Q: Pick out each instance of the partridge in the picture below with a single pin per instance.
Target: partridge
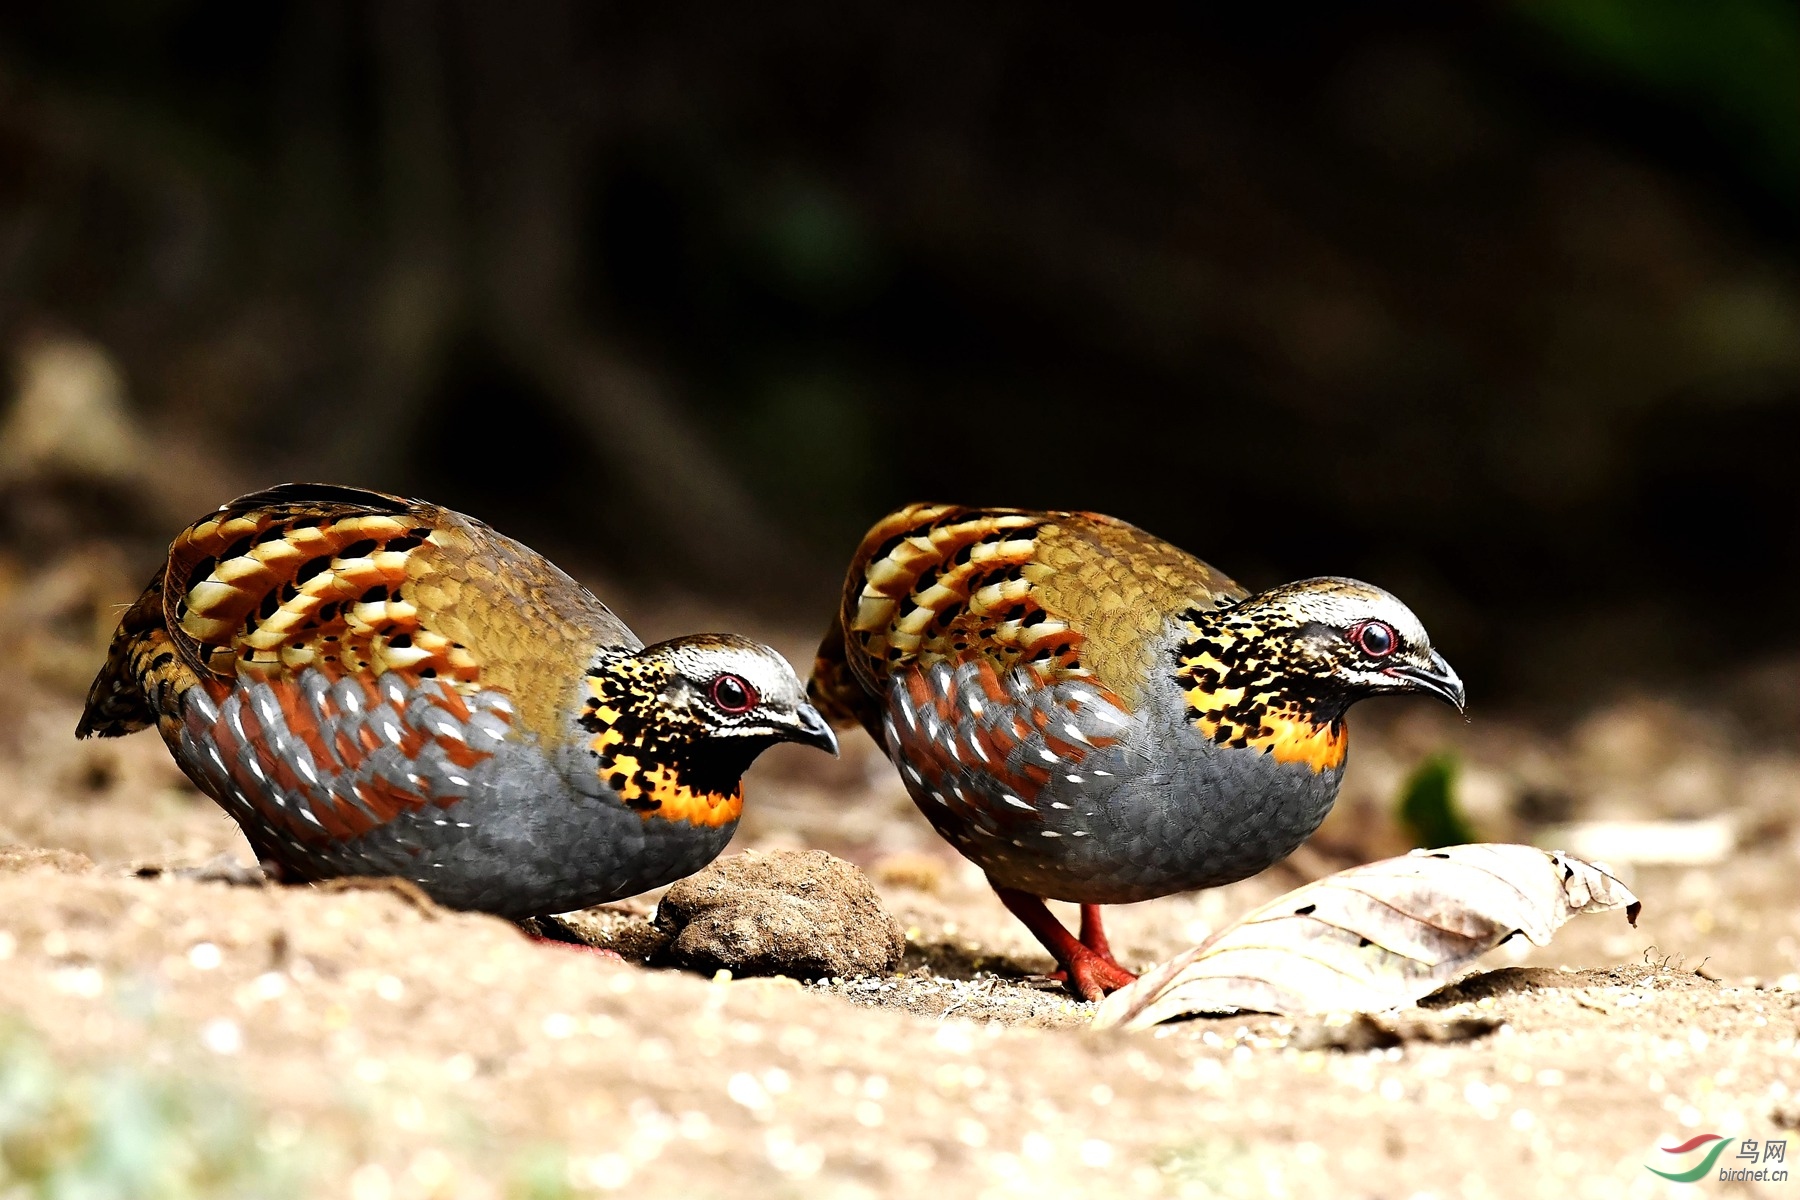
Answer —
(375, 686)
(1090, 714)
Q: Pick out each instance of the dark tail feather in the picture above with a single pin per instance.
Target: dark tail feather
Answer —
(835, 691)
(117, 703)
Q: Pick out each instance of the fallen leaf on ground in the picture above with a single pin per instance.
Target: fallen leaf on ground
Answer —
(1374, 937)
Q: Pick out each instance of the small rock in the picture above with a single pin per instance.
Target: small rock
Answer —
(790, 912)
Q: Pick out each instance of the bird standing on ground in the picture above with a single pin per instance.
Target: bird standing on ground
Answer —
(1091, 714)
(374, 686)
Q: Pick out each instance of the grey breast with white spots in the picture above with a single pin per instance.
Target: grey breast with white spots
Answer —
(312, 766)
(412, 777)
(1055, 788)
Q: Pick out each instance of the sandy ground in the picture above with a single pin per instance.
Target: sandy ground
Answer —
(354, 1044)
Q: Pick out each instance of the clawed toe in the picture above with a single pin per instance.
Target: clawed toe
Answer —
(1091, 977)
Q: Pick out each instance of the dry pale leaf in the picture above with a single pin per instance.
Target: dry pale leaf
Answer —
(1374, 937)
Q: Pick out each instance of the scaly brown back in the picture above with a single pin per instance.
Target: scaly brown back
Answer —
(1068, 594)
(357, 583)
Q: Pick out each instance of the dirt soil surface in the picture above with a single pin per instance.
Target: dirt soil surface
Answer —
(354, 1042)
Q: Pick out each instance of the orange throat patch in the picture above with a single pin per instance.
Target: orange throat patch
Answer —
(657, 790)
(1283, 732)
(1244, 707)
(625, 747)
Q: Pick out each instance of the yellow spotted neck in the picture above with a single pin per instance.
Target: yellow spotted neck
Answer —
(644, 752)
(1238, 695)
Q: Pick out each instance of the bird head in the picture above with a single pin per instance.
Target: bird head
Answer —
(718, 686)
(1329, 642)
(674, 726)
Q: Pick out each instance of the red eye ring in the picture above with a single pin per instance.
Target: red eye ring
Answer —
(1376, 639)
(732, 695)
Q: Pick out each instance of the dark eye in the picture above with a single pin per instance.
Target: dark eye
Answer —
(1376, 639)
(732, 694)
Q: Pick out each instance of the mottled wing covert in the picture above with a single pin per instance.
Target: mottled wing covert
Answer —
(1063, 595)
(332, 657)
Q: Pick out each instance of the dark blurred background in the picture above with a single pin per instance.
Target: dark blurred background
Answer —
(1495, 305)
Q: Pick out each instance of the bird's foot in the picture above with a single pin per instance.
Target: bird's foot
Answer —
(603, 953)
(1090, 976)
(1088, 967)
(1093, 936)
(548, 931)
(1113, 965)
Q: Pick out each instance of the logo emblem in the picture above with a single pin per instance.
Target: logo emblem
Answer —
(1756, 1157)
(1716, 1145)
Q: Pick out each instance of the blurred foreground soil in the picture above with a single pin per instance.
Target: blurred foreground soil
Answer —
(304, 1042)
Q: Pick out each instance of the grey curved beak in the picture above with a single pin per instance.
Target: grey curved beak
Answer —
(811, 729)
(1436, 678)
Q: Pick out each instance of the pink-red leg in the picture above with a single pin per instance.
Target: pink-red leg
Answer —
(603, 953)
(1088, 974)
(1093, 936)
(551, 932)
